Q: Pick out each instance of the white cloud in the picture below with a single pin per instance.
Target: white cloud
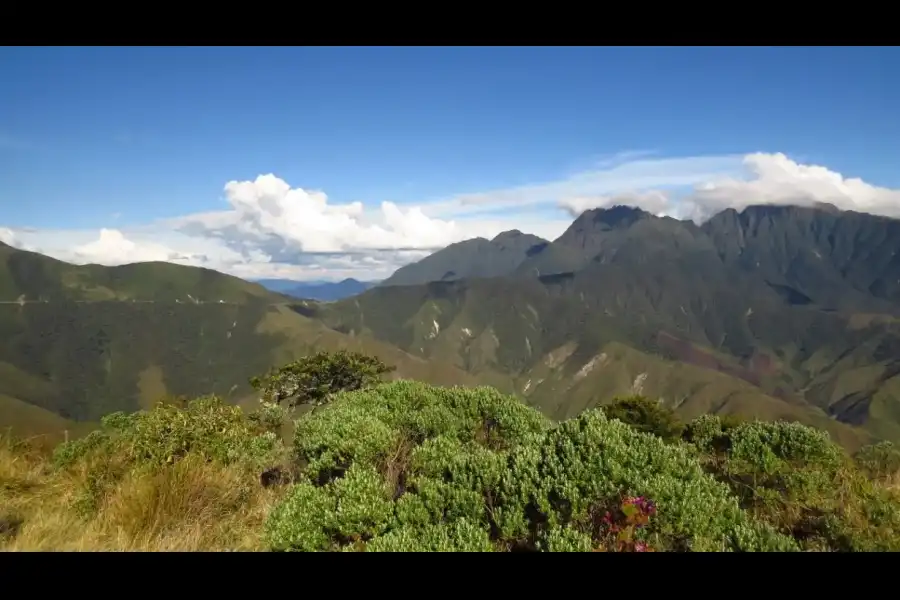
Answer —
(8, 237)
(766, 179)
(270, 229)
(113, 248)
(653, 201)
(616, 177)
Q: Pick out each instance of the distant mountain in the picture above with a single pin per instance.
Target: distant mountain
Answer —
(283, 285)
(318, 290)
(837, 260)
(79, 342)
(29, 276)
(616, 234)
(476, 257)
(772, 311)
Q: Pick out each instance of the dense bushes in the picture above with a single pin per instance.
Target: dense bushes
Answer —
(795, 478)
(879, 461)
(410, 466)
(405, 466)
(470, 469)
(205, 426)
(205, 429)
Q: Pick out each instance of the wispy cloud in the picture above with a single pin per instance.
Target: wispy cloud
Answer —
(619, 176)
(270, 229)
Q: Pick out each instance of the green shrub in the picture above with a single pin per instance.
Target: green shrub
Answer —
(768, 446)
(409, 467)
(269, 416)
(706, 433)
(567, 539)
(352, 508)
(799, 481)
(881, 460)
(460, 536)
(593, 460)
(163, 435)
(369, 425)
(405, 466)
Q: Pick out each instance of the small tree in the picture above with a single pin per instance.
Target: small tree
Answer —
(315, 378)
(646, 415)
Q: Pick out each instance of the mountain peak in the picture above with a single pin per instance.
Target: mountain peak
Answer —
(619, 216)
(827, 207)
(508, 235)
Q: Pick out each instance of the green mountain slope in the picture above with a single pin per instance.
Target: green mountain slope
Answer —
(477, 257)
(665, 292)
(79, 342)
(838, 260)
(29, 276)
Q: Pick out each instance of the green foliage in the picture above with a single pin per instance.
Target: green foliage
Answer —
(799, 481)
(769, 446)
(373, 425)
(567, 539)
(461, 535)
(881, 460)
(356, 506)
(269, 416)
(646, 415)
(406, 466)
(313, 379)
(591, 460)
(206, 426)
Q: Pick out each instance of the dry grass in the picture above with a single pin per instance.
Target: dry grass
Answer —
(190, 505)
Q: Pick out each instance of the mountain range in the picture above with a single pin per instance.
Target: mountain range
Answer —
(773, 311)
(317, 290)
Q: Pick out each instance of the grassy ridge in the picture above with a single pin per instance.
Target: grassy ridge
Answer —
(80, 342)
(32, 277)
(80, 361)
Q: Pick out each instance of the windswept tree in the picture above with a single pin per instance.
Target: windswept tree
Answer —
(646, 415)
(315, 378)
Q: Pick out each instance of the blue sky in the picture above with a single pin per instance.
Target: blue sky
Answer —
(141, 142)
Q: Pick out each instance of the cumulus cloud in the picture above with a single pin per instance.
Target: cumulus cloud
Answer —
(113, 248)
(766, 179)
(269, 207)
(271, 229)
